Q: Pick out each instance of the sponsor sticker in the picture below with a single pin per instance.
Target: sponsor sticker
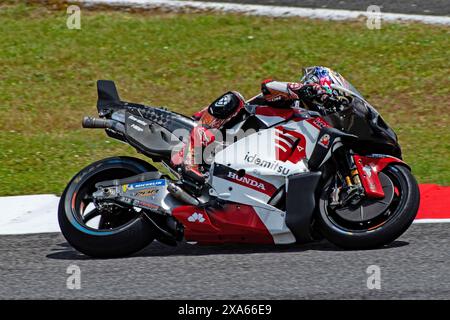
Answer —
(144, 184)
(273, 165)
(147, 205)
(196, 217)
(223, 101)
(325, 141)
(136, 127)
(247, 181)
(147, 192)
(319, 123)
(138, 120)
(367, 170)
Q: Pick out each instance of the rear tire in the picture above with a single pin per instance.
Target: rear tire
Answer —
(119, 241)
(397, 221)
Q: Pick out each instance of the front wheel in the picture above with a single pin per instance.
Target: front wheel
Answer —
(373, 222)
(115, 232)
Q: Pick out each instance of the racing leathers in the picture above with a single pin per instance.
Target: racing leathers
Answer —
(223, 110)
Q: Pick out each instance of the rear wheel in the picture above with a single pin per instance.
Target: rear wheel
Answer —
(372, 222)
(117, 231)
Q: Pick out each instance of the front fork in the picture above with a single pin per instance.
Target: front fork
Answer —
(352, 189)
(360, 176)
(352, 178)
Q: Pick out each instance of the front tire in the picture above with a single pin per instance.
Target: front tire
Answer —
(123, 234)
(388, 225)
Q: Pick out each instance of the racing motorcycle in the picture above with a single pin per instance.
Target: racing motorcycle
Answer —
(298, 176)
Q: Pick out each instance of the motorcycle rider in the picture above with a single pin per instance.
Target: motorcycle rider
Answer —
(313, 90)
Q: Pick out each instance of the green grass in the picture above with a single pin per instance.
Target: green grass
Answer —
(48, 74)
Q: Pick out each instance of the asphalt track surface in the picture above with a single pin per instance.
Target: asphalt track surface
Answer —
(423, 7)
(416, 266)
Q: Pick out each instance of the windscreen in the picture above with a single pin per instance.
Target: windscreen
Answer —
(330, 79)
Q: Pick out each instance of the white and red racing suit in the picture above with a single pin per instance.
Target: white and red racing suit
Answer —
(273, 93)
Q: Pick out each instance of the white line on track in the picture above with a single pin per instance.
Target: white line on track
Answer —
(38, 214)
(270, 11)
(29, 214)
(432, 221)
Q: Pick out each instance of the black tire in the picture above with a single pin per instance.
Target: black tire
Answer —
(119, 241)
(397, 222)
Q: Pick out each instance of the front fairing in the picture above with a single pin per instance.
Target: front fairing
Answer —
(363, 120)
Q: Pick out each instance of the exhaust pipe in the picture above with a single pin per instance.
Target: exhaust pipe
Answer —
(96, 123)
(182, 195)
